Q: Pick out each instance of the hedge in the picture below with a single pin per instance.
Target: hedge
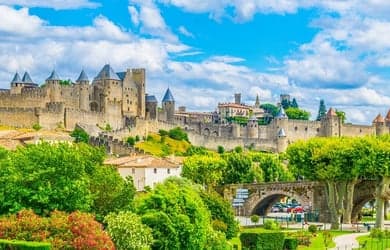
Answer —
(290, 244)
(23, 245)
(262, 241)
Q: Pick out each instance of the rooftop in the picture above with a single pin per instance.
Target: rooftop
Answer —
(107, 73)
(168, 97)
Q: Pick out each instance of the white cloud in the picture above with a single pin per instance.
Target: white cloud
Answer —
(134, 15)
(185, 32)
(18, 22)
(55, 4)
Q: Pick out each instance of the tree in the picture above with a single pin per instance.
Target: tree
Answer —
(176, 214)
(294, 103)
(178, 134)
(131, 141)
(111, 193)
(286, 104)
(46, 177)
(80, 135)
(270, 108)
(220, 149)
(321, 110)
(221, 210)
(239, 169)
(206, 170)
(341, 115)
(271, 167)
(128, 232)
(297, 114)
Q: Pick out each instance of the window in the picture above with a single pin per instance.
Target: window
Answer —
(155, 170)
(168, 170)
(133, 171)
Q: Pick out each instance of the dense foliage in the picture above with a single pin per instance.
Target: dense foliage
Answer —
(128, 232)
(340, 163)
(80, 135)
(64, 231)
(177, 215)
(63, 176)
(270, 108)
(262, 241)
(297, 114)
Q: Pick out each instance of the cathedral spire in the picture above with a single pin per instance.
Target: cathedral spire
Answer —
(257, 103)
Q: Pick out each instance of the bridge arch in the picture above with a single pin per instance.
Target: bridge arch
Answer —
(262, 205)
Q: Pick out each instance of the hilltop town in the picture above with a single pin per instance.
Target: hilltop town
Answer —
(115, 101)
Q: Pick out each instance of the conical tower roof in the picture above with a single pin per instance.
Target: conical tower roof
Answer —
(281, 133)
(16, 78)
(282, 113)
(168, 97)
(151, 99)
(53, 76)
(26, 78)
(257, 102)
(378, 119)
(82, 77)
(107, 73)
(388, 116)
(331, 113)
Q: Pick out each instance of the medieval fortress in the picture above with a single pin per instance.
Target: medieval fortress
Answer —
(118, 100)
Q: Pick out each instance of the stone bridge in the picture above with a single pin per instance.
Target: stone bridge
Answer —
(263, 196)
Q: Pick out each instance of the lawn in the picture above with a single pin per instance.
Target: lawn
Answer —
(373, 243)
(317, 242)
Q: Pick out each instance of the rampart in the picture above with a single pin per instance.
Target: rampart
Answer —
(19, 117)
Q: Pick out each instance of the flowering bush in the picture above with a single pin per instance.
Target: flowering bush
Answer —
(64, 231)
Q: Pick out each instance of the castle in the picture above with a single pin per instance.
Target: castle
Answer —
(117, 100)
(109, 100)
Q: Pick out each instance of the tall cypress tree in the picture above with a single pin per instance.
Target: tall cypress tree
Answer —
(321, 110)
(294, 103)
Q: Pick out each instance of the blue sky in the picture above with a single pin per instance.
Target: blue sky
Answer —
(205, 51)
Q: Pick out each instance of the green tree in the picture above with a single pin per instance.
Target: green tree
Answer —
(297, 114)
(176, 214)
(271, 167)
(270, 108)
(206, 170)
(294, 103)
(131, 141)
(220, 149)
(128, 232)
(286, 104)
(80, 135)
(341, 115)
(239, 169)
(178, 134)
(46, 177)
(111, 193)
(321, 110)
(221, 210)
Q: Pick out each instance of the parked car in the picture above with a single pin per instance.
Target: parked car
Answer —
(297, 209)
(275, 209)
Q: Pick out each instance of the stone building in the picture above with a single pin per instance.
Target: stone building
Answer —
(106, 100)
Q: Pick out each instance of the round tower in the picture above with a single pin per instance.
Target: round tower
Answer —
(151, 107)
(53, 83)
(253, 128)
(83, 83)
(379, 123)
(281, 141)
(168, 106)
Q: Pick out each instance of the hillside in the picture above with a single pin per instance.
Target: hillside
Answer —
(163, 145)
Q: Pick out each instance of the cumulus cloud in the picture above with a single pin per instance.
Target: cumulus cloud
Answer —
(55, 4)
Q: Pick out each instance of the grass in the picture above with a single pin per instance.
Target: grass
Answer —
(317, 242)
(163, 146)
(373, 243)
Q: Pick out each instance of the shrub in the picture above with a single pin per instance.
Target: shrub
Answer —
(163, 132)
(262, 241)
(24, 245)
(221, 149)
(219, 225)
(178, 134)
(290, 244)
(216, 241)
(131, 141)
(312, 229)
(128, 232)
(108, 127)
(64, 231)
(80, 135)
(271, 225)
(238, 149)
(137, 138)
(36, 126)
(255, 218)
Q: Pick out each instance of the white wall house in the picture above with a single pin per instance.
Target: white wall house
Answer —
(146, 170)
